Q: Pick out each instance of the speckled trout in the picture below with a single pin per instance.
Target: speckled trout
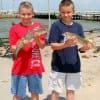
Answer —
(28, 36)
(82, 40)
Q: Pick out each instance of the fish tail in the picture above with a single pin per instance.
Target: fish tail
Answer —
(97, 49)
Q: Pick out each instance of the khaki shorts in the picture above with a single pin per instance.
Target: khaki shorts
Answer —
(59, 81)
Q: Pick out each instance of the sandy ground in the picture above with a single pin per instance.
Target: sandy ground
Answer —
(90, 74)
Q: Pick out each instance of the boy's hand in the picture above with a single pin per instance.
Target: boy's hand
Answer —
(71, 41)
(86, 46)
(38, 40)
(13, 48)
(36, 36)
(26, 42)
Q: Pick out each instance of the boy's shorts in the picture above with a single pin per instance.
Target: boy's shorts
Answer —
(59, 81)
(19, 84)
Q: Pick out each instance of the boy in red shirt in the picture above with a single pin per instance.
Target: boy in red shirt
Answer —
(27, 66)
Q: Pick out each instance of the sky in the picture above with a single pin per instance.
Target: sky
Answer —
(42, 5)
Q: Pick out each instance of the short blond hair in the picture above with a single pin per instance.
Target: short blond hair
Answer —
(66, 3)
(26, 4)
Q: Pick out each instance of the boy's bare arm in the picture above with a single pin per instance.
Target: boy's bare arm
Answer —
(68, 43)
(13, 48)
(40, 42)
(25, 44)
(86, 46)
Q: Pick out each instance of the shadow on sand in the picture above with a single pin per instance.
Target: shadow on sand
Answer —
(26, 98)
(47, 98)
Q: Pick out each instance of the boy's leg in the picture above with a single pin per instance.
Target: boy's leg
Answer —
(73, 82)
(18, 86)
(34, 96)
(35, 85)
(70, 94)
(16, 97)
(56, 84)
(54, 95)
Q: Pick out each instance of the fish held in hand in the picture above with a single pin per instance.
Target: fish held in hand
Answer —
(28, 36)
(82, 40)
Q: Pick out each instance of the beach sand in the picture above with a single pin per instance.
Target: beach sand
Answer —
(90, 74)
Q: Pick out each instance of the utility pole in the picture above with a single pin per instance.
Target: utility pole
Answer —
(49, 22)
(1, 6)
(49, 13)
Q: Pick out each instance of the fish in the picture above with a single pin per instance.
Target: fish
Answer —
(29, 35)
(82, 40)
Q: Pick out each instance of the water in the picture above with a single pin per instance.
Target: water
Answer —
(5, 24)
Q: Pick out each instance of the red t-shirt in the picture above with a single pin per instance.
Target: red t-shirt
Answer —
(28, 60)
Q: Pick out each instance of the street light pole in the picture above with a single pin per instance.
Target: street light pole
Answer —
(49, 13)
(1, 6)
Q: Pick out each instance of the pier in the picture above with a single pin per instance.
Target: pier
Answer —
(88, 15)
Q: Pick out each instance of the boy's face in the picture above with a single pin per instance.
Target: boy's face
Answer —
(66, 13)
(26, 15)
